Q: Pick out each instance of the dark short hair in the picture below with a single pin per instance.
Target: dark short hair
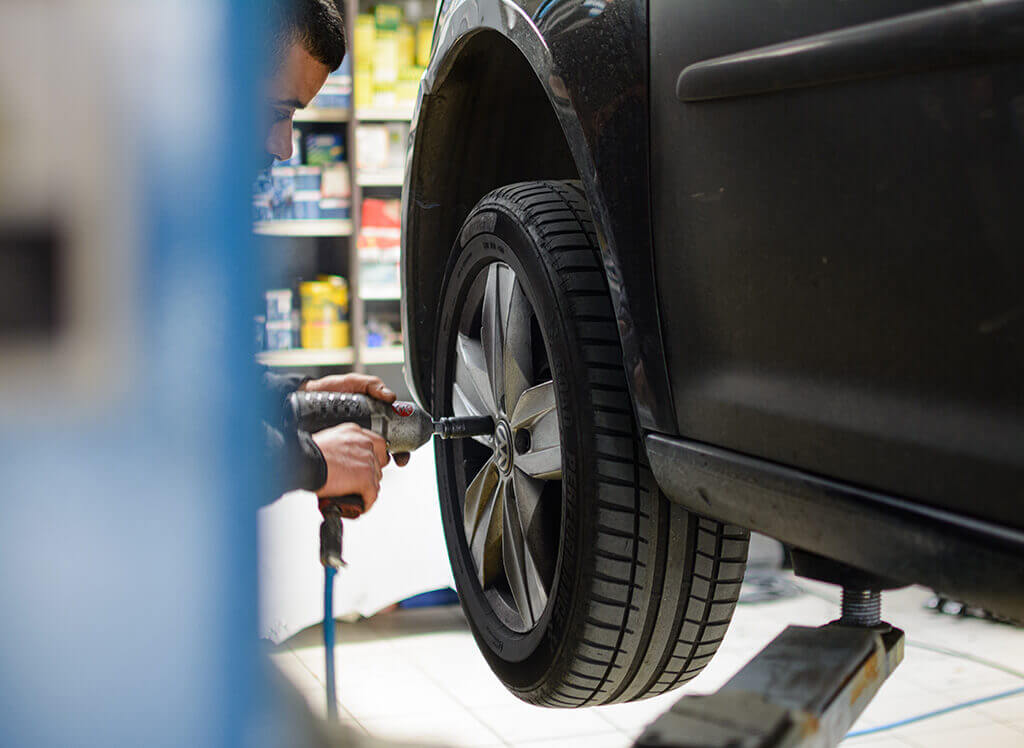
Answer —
(316, 24)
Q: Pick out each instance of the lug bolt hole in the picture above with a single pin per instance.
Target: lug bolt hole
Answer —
(522, 441)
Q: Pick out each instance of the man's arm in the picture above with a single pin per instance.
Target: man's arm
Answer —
(335, 462)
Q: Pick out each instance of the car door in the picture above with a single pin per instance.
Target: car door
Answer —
(838, 233)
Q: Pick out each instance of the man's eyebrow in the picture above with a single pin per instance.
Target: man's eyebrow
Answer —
(291, 103)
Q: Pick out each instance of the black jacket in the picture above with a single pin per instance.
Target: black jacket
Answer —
(293, 456)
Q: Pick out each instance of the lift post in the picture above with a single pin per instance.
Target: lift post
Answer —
(804, 690)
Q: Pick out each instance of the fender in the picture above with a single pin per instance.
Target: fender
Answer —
(590, 57)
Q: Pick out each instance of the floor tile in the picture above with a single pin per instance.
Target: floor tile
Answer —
(989, 736)
(606, 740)
(418, 676)
(392, 690)
(296, 671)
(637, 715)
(451, 728)
(519, 723)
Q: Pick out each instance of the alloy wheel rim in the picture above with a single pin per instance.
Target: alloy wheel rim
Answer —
(501, 370)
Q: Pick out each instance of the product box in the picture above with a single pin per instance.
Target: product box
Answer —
(282, 195)
(381, 147)
(280, 302)
(262, 189)
(280, 336)
(406, 36)
(387, 17)
(335, 183)
(424, 42)
(386, 61)
(324, 149)
(308, 178)
(379, 243)
(364, 89)
(333, 209)
(364, 38)
(335, 94)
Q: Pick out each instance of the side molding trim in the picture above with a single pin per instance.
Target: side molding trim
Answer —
(969, 33)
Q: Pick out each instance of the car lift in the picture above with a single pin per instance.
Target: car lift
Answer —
(804, 690)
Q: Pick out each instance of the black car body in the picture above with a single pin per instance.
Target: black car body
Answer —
(811, 219)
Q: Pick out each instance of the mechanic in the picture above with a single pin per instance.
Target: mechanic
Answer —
(308, 43)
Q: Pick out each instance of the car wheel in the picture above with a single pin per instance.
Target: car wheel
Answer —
(581, 583)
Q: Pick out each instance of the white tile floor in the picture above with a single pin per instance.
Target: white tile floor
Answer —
(417, 676)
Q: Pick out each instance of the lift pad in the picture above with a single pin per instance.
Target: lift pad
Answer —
(804, 690)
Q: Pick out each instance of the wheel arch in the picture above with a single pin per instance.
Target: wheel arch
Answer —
(531, 88)
(516, 137)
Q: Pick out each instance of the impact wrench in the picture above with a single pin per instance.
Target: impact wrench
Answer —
(405, 427)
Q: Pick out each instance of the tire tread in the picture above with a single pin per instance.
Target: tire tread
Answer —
(638, 636)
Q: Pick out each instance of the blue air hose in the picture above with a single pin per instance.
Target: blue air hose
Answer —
(332, 694)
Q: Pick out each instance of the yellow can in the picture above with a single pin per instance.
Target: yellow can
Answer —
(339, 293)
(330, 335)
(317, 304)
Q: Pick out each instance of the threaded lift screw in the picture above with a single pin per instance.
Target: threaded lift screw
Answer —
(861, 607)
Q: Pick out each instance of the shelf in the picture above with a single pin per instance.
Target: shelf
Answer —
(385, 178)
(392, 354)
(398, 114)
(341, 227)
(380, 293)
(322, 115)
(307, 357)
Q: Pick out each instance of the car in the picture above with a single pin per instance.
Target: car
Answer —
(715, 268)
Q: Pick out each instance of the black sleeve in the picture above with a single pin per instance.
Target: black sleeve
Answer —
(295, 461)
(282, 385)
(277, 388)
(292, 456)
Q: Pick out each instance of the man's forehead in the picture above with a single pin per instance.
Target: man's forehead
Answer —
(299, 78)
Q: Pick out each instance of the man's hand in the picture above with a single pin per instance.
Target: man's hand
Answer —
(361, 384)
(355, 458)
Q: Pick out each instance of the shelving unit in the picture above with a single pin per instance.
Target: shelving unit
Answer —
(338, 238)
(304, 228)
(305, 357)
(398, 114)
(322, 115)
(385, 178)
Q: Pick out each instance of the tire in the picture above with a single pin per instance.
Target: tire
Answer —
(621, 594)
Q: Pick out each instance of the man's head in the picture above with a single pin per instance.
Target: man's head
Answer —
(308, 44)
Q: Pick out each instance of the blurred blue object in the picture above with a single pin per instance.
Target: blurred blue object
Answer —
(127, 522)
(445, 596)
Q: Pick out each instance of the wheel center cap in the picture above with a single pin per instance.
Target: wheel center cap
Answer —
(503, 447)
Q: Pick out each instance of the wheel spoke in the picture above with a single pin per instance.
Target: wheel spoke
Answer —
(536, 412)
(518, 348)
(482, 519)
(472, 383)
(497, 295)
(520, 565)
(528, 497)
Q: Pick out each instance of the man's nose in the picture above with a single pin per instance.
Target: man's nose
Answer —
(279, 142)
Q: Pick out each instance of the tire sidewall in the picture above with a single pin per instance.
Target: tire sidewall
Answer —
(522, 660)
